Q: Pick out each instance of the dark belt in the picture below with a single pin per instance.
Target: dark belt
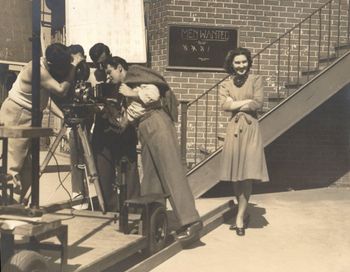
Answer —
(242, 114)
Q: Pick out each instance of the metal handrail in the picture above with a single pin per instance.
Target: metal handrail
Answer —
(262, 50)
(293, 28)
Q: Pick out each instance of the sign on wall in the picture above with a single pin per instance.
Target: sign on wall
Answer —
(15, 31)
(116, 23)
(199, 48)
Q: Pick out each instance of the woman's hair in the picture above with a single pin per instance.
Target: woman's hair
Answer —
(228, 66)
(115, 61)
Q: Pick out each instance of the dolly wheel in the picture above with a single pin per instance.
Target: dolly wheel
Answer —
(158, 229)
(25, 261)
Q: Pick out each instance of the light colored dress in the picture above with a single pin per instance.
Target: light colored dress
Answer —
(243, 155)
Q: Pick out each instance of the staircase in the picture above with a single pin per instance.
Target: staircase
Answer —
(312, 64)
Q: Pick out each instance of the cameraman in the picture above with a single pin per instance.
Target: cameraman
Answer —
(111, 146)
(57, 70)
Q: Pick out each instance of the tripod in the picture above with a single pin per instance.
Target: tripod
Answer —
(79, 133)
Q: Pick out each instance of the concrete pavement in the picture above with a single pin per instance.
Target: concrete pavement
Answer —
(304, 231)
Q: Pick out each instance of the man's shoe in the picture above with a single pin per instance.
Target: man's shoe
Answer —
(191, 233)
(83, 205)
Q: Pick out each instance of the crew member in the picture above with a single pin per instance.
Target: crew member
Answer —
(161, 163)
(57, 70)
(111, 145)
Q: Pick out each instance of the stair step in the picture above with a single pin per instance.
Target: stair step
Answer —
(289, 92)
(312, 72)
(326, 59)
(274, 97)
(308, 75)
(273, 104)
(263, 111)
(342, 49)
(342, 46)
(293, 85)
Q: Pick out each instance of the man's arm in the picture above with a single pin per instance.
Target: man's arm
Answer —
(55, 109)
(147, 94)
(49, 83)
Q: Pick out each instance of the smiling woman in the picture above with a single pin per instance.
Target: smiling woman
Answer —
(243, 159)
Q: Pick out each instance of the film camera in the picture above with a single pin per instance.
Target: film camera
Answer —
(83, 99)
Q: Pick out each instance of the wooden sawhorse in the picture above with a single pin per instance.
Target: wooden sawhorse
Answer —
(36, 231)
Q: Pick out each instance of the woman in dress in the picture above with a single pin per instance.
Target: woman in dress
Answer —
(243, 159)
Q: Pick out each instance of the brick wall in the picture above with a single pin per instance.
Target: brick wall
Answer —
(259, 23)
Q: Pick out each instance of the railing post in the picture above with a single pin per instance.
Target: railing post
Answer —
(183, 140)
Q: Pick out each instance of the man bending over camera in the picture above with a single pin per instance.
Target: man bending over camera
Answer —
(162, 167)
(57, 71)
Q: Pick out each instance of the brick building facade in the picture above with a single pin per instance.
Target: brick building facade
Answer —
(295, 156)
(259, 22)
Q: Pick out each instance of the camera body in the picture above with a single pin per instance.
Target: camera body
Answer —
(83, 100)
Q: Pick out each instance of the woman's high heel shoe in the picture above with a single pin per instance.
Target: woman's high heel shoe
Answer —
(190, 233)
(246, 221)
(240, 231)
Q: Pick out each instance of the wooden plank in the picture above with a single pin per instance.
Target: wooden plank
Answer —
(86, 213)
(19, 225)
(24, 132)
(33, 229)
(158, 258)
(57, 168)
(94, 242)
(211, 220)
(115, 256)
